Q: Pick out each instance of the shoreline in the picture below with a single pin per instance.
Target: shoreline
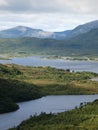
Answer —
(82, 104)
(68, 58)
(43, 97)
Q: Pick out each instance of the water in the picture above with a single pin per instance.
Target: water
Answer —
(46, 104)
(91, 66)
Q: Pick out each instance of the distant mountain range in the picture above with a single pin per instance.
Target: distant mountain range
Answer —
(82, 45)
(83, 40)
(22, 31)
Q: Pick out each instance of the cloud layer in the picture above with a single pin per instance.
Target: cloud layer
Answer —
(47, 14)
(54, 6)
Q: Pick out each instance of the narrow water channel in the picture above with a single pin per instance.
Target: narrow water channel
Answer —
(54, 104)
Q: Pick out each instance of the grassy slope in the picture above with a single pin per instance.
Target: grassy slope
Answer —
(13, 90)
(84, 44)
(18, 83)
(83, 118)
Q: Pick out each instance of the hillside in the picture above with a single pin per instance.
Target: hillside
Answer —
(20, 83)
(13, 90)
(83, 44)
(82, 29)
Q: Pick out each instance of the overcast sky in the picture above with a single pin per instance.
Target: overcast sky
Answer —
(50, 15)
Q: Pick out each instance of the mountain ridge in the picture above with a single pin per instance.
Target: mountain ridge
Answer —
(23, 31)
(83, 44)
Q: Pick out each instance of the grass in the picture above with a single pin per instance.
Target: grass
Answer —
(21, 83)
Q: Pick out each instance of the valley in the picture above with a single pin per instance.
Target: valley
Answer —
(81, 43)
(59, 63)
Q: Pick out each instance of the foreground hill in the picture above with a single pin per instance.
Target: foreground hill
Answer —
(19, 83)
(83, 44)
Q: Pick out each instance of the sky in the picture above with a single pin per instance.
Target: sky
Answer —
(49, 15)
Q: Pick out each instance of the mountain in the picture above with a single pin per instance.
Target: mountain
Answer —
(81, 29)
(83, 44)
(22, 31)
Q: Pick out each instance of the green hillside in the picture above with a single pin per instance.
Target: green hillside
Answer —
(20, 83)
(13, 90)
(84, 44)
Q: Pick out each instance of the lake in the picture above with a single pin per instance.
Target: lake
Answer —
(91, 66)
(46, 104)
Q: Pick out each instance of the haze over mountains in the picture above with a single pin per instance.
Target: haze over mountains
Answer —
(83, 40)
(22, 31)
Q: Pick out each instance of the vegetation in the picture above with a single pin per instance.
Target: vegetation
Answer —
(13, 90)
(21, 83)
(83, 44)
(83, 118)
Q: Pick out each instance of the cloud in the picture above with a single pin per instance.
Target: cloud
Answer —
(49, 22)
(50, 6)
(3, 2)
(51, 15)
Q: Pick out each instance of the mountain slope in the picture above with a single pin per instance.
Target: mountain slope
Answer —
(22, 31)
(86, 44)
(83, 44)
(81, 29)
